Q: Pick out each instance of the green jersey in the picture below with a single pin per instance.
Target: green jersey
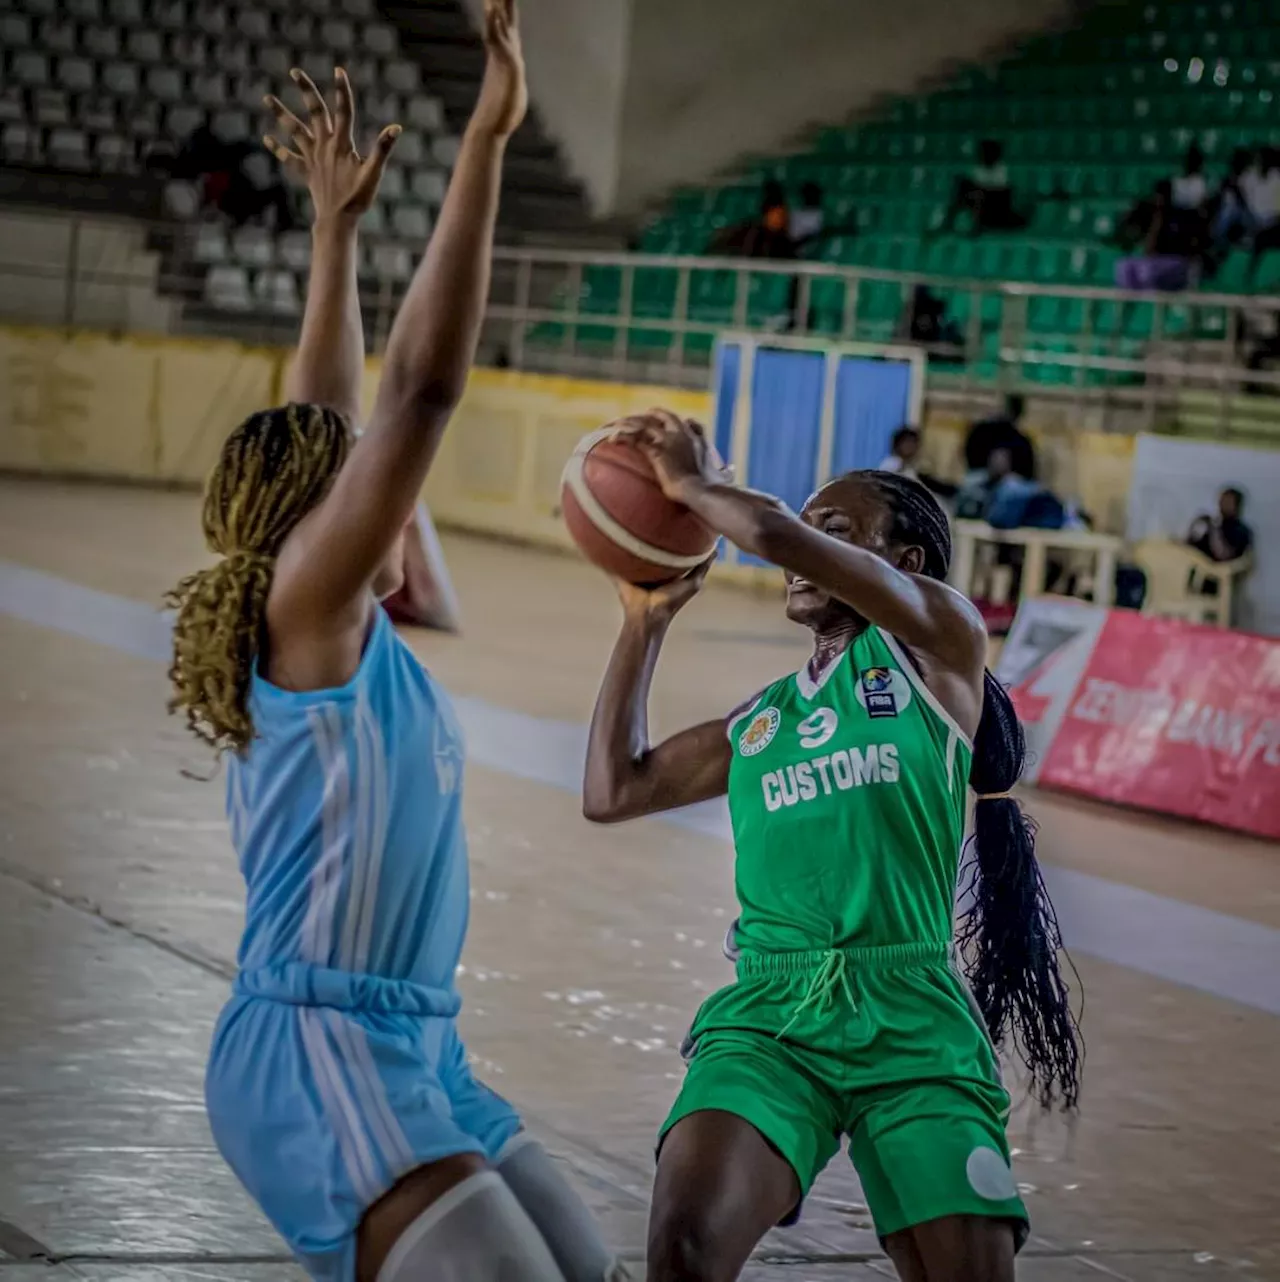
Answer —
(847, 795)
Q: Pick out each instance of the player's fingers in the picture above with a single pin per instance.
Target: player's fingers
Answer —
(292, 127)
(344, 108)
(321, 121)
(289, 159)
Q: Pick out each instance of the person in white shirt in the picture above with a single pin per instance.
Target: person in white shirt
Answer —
(1191, 188)
(1261, 189)
(985, 194)
(905, 449)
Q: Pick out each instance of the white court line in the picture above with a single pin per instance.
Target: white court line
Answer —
(1185, 944)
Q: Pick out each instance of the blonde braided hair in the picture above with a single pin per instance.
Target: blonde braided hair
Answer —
(275, 467)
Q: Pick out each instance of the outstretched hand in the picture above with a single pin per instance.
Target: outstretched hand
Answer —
(342, 183)
(665, 601)
(504, 92)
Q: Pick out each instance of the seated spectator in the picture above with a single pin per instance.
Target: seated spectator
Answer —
(768, 235)
(925, 321)
(984, 193)
(1224, 537)
(1001, 431)
(807, 221)
(1007, 501)
(903, 452)
(1231, 219)
(1261, 187)
(1190, 189)
(1173, 246)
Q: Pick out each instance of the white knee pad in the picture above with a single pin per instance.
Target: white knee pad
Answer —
(564, 1221)
(477, 1232)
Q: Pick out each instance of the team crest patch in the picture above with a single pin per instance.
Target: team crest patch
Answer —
(759, 732)
(883, 691)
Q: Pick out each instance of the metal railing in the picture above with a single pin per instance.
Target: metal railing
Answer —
(1135, 361)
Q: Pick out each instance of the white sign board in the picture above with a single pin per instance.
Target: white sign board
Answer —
(1174, 481)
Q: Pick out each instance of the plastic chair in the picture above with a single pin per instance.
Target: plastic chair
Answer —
(227, 288)
(1177, 578)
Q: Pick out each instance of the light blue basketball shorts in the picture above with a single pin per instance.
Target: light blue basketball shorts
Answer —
(319, 1107)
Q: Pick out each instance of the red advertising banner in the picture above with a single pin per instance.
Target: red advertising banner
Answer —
(1177, 718)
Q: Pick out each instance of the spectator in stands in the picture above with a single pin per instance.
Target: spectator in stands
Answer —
(1261, 187)
(1224, 537)
(903, 452)
(925, 321)
(1001, 431)
(1229, 217)
(807, 220)
(1190, 189)
(768, 235)
(1172, 249)
(984, 194)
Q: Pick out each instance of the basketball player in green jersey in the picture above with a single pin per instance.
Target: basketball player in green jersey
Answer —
(847, 785)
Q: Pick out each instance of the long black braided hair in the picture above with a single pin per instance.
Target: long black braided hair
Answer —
(1008, 937)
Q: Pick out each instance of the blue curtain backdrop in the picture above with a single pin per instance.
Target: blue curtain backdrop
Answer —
(873, 400)
(728, 371)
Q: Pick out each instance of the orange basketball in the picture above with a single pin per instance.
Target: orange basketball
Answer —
(618, 515)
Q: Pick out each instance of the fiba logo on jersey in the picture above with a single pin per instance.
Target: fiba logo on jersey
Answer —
(759, 732)
(884, 692)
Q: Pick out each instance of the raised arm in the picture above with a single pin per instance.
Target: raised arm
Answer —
(328, 367)
(326, 569)
(625, 776)
(924, 613)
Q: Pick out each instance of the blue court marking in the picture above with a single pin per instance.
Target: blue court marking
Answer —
(1226, 956)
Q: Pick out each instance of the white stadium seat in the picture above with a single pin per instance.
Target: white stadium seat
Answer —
(411, 222)
(429, 186)
(181, 199)
(227, 288)
(172, 15)
(374, 223)
(116, 154)
(15, 31)
(391, 262)
(337, 34)
(379, 109)
(445, 150)
(230, 125)
(51, 107)
(121, 79)
(209, 89)
(98, 114)
(125, 13)
(182, 120)
(69, 148)
(425, 114)
(189, 49)
(298, 30)
(364, 73)
(358, 8)
(275, 61)
(403, 76)
(19, 142)
(165, 83)
(12, 105)
(277, 291)
(84, 10)
(254, 24)
(294, 248)
(76, 75)
(30, 69)
(210, 247)
(102, 43)
(233, 55)
(211, 19)
(318, 65)
(253, 247)
(57, 37)
(144, 46)
(410, 150)
(249, 90)
(394, 185)
(41, 8)
(380, 39)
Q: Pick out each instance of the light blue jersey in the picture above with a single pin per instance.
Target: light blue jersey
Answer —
(336, 1067)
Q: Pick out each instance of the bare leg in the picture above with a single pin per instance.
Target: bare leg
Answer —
(387, 1219)
(720, 1188)
(955, 1248)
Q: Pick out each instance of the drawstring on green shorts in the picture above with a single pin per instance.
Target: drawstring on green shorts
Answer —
(829, 979)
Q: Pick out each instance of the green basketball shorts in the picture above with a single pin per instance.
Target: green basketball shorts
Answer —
(884, 1045)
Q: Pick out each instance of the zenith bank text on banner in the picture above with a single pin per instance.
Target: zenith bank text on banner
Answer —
(1157, 713)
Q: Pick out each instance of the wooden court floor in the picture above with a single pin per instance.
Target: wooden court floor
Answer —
(120, 905)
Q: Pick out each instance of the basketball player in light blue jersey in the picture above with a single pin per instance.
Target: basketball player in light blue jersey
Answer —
(338, 1088)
